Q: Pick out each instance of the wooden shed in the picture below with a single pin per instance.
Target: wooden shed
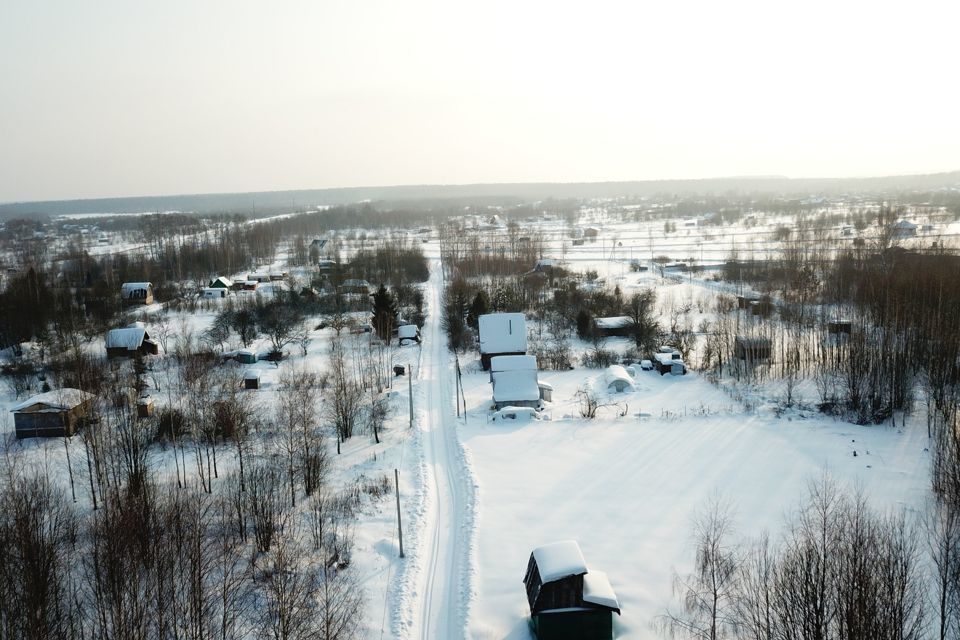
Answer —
(613, 327)
(567, 600)
(752, 349)
(251, 379)
(129, 342)
(546, 391)
(52, 414)
(501, 334)
(246, 356)
(137, 292)
(145, 407)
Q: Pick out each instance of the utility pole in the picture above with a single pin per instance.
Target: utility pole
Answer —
(463, 397)
(410, 386)
(456, 386)
(396, 484)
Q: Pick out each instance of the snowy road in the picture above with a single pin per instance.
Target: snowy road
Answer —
(443, 586)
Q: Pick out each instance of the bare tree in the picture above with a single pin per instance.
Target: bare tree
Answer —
(708, 593)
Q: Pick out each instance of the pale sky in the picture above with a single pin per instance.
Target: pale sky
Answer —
(128, 97)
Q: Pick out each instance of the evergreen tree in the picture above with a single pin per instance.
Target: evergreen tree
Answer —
(384, 313)
(480, 306)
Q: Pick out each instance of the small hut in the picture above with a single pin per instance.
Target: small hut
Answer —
(669, 360)
(145, 407)
(52, 414)
(251, 379)
(221, 283)
(129, 342)
(250, 285)
(213, 293)
(246, 356)
(546, 391)
(567, 600)
(613, 327)
(137, 292)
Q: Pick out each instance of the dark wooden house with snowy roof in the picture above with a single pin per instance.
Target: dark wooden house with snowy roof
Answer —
(567, 600)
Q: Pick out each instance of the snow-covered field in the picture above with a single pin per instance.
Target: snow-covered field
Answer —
(626, 487)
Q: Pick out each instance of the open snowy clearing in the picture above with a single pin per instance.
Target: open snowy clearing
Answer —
(626, 488)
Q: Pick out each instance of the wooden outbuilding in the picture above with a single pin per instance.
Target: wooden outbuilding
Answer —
(613, 327)
(501, 334)
(137, 292)
(514, 380)
(52, 414)
(251, 379)
(355, 285)
(546, 391)
(567, 600)
(213, 293)
(145, 407)
(129, 342)
(246, 356)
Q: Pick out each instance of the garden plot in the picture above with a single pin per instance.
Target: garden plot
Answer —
(626, 487)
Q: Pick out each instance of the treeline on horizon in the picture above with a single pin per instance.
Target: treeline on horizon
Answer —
(257, 204)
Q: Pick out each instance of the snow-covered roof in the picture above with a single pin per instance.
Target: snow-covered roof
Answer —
(407, 331)
(509, 386)
(513, 363)
(615, 372)
(544, 385)
(668, 358)
(251, 374)
(904, 224)
(559, 560)
(129, 338)
(613, 322)
(133, 286)
(224, 282)
(503, 333)
(61, 399)
(597, 590)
